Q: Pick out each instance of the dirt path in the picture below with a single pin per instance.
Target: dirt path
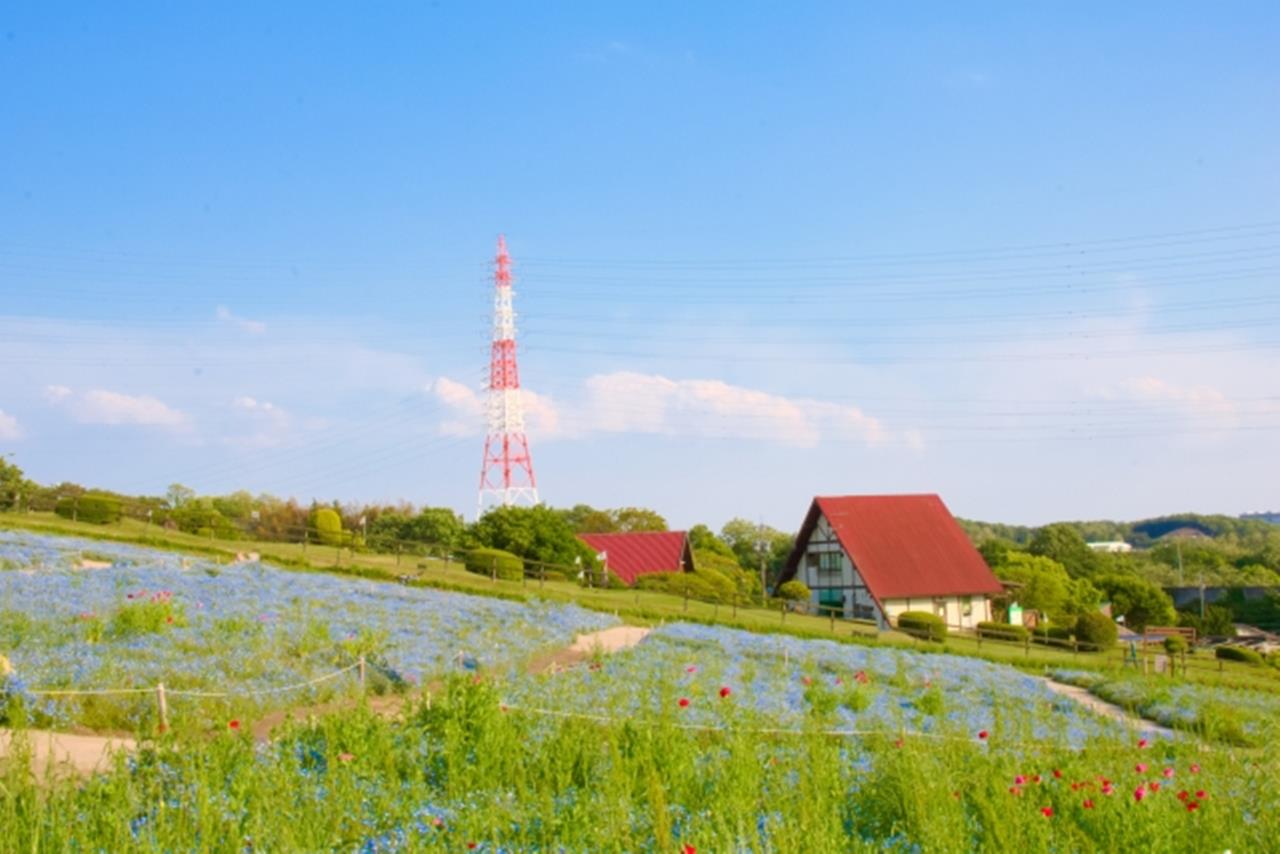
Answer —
(82, 753)
(1107, 710)
(586, 646)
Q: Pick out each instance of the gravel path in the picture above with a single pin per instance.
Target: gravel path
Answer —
(82, 753)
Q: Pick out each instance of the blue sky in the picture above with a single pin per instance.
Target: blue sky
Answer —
(1025, 258)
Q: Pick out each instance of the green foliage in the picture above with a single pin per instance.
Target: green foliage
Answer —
(92, 507)
(327, 525)
(743, 535)
(923, 624)
(1238, 653)
(1097, 630)
(1003, 631)
(1064, 544)
(534, 533)
(702, 539)
(12, 485)
(743, 581)
(1175, 644)
(503, 564)
(146, 617)
(1218, 621)
(703, 586)
(585, 519)
(1140, 602)
(794, 590)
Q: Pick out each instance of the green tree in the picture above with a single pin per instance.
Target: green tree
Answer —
(327, 525)
(585, 519)
(1140, 602)
(1063, 543)
(742, 535)
(703, 539)
(437, 526)
(177, 495)
(638, 519)
(534, 533)
(12, 485)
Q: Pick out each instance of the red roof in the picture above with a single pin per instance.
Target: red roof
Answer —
(902, 545)
(637, 553)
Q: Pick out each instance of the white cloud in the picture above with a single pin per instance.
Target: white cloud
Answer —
(100, 406)
(254, 327)
(269, 424)
(631, 402)
(9, 429)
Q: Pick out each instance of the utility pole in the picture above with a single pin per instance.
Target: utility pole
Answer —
(1178, 545)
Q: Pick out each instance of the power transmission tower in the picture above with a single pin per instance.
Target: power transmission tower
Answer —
(506, 475)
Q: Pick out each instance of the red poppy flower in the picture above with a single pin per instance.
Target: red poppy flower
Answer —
(1168, 773)
(689, 849)
(724, 692)
(1057, 775)
(897, 742)
(1139, 793)
(1036, 779)
(1183, 795)
(1192, 806)
(1153, 786)
(684, 702)
(691, 669)
(1195, 768)
(1201, 794)
(1015, 791)
(1019, 780)
(1088, 804)
(982, 734)
(1141, 768)
(346, 757)
(233, 724)
(805, 680)
(1047, 812)
(1108, 789)
(471, 846)
(1142, 742)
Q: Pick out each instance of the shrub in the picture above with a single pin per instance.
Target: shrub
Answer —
(923, 624)
(1052, 635)
(90, 507)
(328, 526)
(794, 591)
(1238, 653)
(505, 565)
(1003, 631)
(1175, 644)
(1096, 630)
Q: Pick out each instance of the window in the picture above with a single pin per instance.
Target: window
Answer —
(828, 562)
(830, 600)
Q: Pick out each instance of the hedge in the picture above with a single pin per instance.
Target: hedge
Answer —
(485, 561)
(794, 591)
(1239, 653)
(931, 626)
(1096, 631)
(1003, 631)
(1175, 644)
(90, 507)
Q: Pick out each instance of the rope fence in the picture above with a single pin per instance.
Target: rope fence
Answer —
(163, 694)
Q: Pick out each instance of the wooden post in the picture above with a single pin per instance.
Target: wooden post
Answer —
(162, 707)
(493, 568)
(306, 538)
(1026, 643)
(832, 613)
(542, 575)
(782, 607)
(362, 674)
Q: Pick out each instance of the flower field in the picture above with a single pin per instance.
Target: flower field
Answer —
(194, 624)
(779, 681)
(699, 739)
(1248, 718)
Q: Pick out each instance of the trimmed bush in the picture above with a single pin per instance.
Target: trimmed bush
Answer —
(90, 507)
(794, 591)
(923, 624)
(1096, 631)
(1239, 653)
(1003, 631)
(1175, 644)
(504, 565)
(328, 526)
(1052, 635)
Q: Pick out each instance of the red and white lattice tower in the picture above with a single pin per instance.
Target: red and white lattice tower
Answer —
(506, 477)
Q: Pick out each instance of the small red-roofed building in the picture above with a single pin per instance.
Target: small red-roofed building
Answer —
(875, 556)
(631, 554)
